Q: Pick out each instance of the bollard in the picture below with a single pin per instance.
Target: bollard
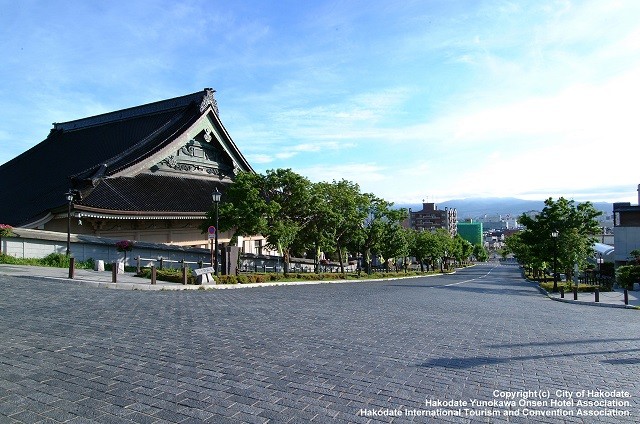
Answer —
(138, 263)
(561, 292)
(153, 274)
(184, 274)
(575, 293)
(161, 262)
(114, 272)
(597, 292)
(72, 267)
(626, 297)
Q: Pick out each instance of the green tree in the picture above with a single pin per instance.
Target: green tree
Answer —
(480, 253)
(275, 205)
(418, 245)
(243, 207)
(444, 247)
(461, 249)
(427, 247)
(393, 243)
(380, 219)
(319, 233)
(574, 226)
(344, 209)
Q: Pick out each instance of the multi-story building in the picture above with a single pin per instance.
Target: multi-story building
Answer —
(471, 232)
(430, 218)
(626, 230)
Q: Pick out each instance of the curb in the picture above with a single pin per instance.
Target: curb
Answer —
(178, 287)
(581, 302)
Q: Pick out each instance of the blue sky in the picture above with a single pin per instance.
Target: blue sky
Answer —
(413, 100)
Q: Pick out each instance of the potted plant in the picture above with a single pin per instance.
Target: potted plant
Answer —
(124, 246)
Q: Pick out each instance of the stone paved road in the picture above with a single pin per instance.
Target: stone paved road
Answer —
(322, 353)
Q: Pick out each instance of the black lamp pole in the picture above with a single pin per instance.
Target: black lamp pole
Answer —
(216, 199)
(69, 196)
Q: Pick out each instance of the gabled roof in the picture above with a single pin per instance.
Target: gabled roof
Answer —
(145, 193)
(99, 155)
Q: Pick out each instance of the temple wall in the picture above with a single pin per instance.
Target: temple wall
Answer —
(185, 233)
(29, 243)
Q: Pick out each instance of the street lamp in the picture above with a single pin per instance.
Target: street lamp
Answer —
(216, 199)
(555, 234)
(69, 195)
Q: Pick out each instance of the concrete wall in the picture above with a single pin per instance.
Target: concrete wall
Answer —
(28, 243)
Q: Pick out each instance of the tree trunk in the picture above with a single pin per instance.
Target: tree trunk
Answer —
(341, 259)
(285, 258)
(367, 260)
(316, 261)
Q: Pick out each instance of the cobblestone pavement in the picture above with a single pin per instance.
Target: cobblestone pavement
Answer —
(403, 350)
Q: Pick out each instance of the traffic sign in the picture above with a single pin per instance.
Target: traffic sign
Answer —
(212, 232)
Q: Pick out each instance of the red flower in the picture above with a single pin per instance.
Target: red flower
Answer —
(124, 246)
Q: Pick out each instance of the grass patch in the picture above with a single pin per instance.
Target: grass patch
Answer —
(568, 287)
(310, 276)
(175, 276)
(54, 260)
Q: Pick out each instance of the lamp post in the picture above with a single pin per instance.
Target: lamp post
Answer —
(216, 199)
(69, 195)
(554, 235)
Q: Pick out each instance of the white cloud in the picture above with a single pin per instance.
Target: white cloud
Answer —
(260, 159)
(365, 174)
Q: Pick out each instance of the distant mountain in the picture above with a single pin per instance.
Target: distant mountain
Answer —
(479, 207)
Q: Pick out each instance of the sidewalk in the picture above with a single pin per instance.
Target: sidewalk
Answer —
(126, 281)
(129, 281)
(612, 299)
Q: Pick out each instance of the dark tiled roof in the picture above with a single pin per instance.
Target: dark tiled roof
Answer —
(36, 181)
(152, 193)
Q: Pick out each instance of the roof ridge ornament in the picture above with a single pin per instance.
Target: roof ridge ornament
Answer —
(209, 100)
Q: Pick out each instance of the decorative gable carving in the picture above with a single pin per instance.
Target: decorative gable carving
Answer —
(209, 100)
(198, 158)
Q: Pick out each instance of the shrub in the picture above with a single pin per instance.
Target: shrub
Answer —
(170, 274)
(56, 260)
(6, 230)
(88, 264)
(627, 275)
(257, 278)
(227, 279)
(568, 287)
(8, 259)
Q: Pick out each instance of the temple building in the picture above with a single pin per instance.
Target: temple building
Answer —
(144, 173)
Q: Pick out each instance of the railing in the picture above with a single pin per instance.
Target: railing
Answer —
(162, 261)
(596, 279)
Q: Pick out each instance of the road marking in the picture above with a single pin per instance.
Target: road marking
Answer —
(467, 281)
